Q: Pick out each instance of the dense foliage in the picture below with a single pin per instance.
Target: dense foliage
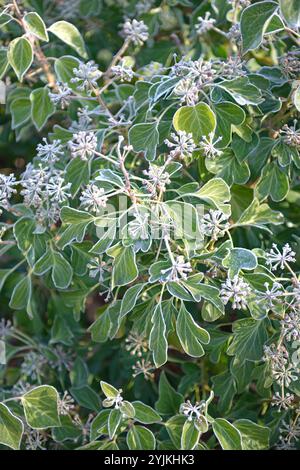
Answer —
(149, 193)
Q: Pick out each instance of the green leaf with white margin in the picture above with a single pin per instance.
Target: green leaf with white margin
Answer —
(190, 334)
(259, 214)
(124, 266)
(158, 343)
(20, 56)
(69, 34)
(249, 337)
(3, 61)
(140, 438)
(254, 22)
(174, 428)
(228, 115)
(21, 294)
(273, 182)
(239, 259)
(109, 390)
(290, 11)
(11, 428)
(64, 67)
(227, 167)
(77, 221)
(144, 138)
(36, 26)
(296, 98)
(242, 90)
(169, 400)
(216, 193)
(62, 271)
(190, 435)
(41, 107)
(145, 414)
(228, 435)
(254, 436)
(199, 120)
(41, 407)
(114, 420)
(20, 110)
(78, 174)
(130, 298)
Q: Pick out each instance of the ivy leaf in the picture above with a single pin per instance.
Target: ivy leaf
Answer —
(215, 192)
(36, 26)
(144, 138)
(273, 182)
(239, 259)
(254, 22)
(242, 90)
(254, 436)
(199, 120)
(228, 115)
(227, 167)
(140, 438)
(174, 428)
(259, 215)
(124, 266)
(78, 174)
(64, 67)
(20, 109)
(41, 407)
(249, 337)
(290, 11)
(3, 61)
(78, 222)
(20, 56)
(157, 341)
(11, 428)
(41, 107)
(21, 294)
(228, 435)
(114, 420)
(62, 271)
(190, 334)
(169, 400)
(85, 396)
(69, 34)
(225, 389)
(145, 414)
(190, 435)
(130, 298)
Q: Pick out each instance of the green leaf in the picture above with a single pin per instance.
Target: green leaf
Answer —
(158, 343)
(215, 192)
(64, 67)
(145, 414)
(140, 438)
(174, 428)
(78, 222)
(124, 266)
(108, 390)
(20, 56)
(259, 214)
(87, 397)
(20, 109)
(21, 294)
(190, 334)
(99, 425)
(225, 389)
(114, 420)
(254, 436)
(239, 259)
(228, 436)
(41, 107)
(290, 11)
(3, 61)
(254, 22)
(62, 271)
(242, 90)
(23, 230)
(169, 400)
(69, 34)
(11, 428)
(228, 167)
(36, 26)
(78, 174)
(144, 138)
(249, 338)
(190, 435)
(198, 120)
(228, 115)
(273, 182)
(40, 407)
(130, 298)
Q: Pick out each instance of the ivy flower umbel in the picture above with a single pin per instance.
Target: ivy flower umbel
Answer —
(83, 145)
(237, 291)
(86, 76)
(135, 31)
(214, 224)
(188, 92)
(291, 135)
(144, 368)
(276, 259)
(93, 198)
(62, 96)
(192, 411)
(123, 71)
(179, 269)
(7, 188)
(204, 24)
(50, 152)
(115, 401)
(208, 145)
(183, 144)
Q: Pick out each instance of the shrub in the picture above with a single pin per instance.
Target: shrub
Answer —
(150, 224)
